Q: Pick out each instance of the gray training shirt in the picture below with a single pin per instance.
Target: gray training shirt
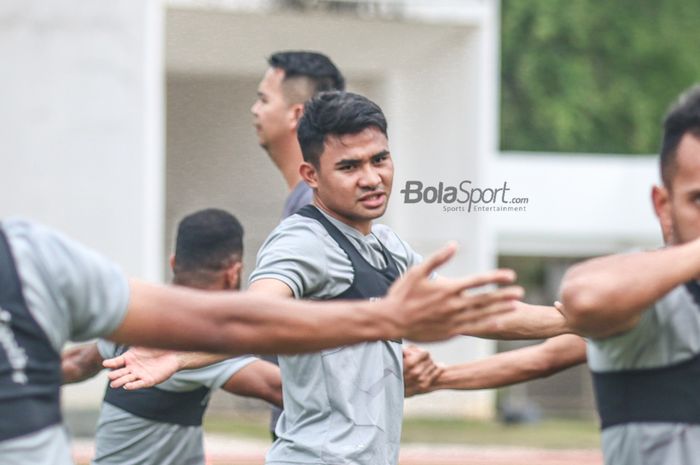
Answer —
(73, 294)
(347, 413)
(667, 333)
(123, 438)
(300, 196)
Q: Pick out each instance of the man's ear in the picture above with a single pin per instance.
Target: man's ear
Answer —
(309, 173)
(233, 275)
(296, 112)
(661, 198)
(172, 262)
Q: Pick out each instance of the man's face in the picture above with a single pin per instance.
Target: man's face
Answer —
(354, 177)
(679, 214)
(272, 114)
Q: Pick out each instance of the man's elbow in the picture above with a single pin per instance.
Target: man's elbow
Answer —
(582, 302)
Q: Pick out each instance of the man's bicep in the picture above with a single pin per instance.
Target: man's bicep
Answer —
(259, 379)
(271, 286)
(293, 256)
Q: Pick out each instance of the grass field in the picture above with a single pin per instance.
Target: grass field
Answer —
(433, 442)
(548, 434)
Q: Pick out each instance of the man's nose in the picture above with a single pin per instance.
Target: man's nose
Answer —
(370, 177)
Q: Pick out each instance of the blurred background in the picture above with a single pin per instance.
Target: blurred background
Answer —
(118, 118)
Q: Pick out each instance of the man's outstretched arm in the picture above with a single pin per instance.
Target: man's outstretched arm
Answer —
(525, 322)
(607, 295)
(415, 308)
(515, 366)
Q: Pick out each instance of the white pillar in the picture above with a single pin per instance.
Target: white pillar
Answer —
(81, 118)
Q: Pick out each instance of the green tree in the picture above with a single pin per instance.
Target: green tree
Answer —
(594, 76)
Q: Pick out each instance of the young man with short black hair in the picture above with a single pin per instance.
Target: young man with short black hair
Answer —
(344, 405)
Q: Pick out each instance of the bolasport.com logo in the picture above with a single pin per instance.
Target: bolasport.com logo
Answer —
(464, 197)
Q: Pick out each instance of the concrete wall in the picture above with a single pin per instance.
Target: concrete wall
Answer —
(82, 122)
(579, 205)
(82, 128)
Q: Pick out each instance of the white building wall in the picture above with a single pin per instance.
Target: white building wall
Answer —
(81, 121)
(579, 205)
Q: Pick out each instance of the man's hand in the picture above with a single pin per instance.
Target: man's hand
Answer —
(80, 363)
(140, 367)
(419, 371)
(430, 310)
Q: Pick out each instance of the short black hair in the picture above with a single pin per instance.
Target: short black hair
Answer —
(683, 117)
(316, 67)
(208, 240)
(335, 114)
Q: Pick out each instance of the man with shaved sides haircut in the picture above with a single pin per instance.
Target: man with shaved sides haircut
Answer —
(292, 78)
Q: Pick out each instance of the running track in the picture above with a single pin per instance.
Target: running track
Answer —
(226, 451)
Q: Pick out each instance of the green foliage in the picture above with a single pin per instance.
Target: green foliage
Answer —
(594, 76)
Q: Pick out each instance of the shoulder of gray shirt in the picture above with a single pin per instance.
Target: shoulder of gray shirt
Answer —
(71, 291)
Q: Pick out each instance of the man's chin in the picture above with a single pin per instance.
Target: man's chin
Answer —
(374, 213)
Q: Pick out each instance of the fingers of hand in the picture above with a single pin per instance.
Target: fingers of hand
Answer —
(507, 294)
(502, 276)
(118, 373)
(122, 380)
(138, 384)
(113, 363)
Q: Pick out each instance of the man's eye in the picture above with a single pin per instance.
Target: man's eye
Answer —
(379, 158)
(345, 167)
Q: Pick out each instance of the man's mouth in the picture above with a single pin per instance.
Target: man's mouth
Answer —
(373, 200)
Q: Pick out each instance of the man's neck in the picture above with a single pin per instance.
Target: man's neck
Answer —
(287, 157)
(364, 227)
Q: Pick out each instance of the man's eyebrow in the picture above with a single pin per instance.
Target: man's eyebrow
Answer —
(347, 162)
(379, 154)
(357, 161)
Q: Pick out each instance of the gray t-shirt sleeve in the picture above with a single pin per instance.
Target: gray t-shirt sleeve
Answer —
(107, 349)
(72, 292)
(295, 255)
(665, 334)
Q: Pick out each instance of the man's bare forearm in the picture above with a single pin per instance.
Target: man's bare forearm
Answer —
(244, 323)
(525, 322)
(515, 366)
(607, 295)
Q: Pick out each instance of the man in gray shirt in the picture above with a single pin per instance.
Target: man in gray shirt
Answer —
(342, 405)
(641, 312)
(641, 315)
(292, 78)
(162, 425)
